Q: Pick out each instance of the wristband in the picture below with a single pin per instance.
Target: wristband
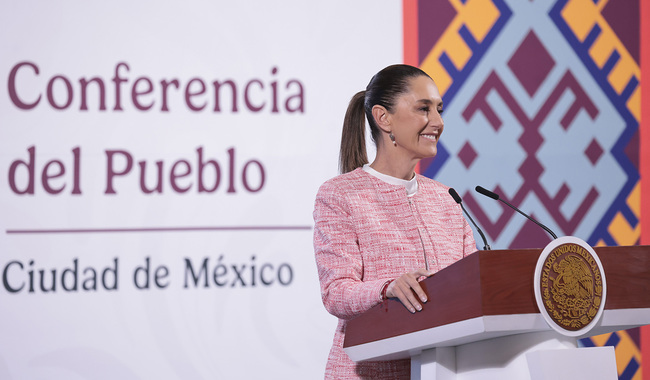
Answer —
(384, 289)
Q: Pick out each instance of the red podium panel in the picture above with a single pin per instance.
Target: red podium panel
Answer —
(490, 294)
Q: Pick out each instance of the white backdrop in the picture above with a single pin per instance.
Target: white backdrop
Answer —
(231, 290)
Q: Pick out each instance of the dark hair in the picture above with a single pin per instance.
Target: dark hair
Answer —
(384, 89)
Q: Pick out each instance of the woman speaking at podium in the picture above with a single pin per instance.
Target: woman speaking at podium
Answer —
(380, 227)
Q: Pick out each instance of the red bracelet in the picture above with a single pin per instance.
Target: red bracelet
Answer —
(384, 299)
(384, 289)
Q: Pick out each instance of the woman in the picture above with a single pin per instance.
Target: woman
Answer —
(380, 228)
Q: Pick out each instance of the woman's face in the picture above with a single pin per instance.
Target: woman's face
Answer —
(416, 120)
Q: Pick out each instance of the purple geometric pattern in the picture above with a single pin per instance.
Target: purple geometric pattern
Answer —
(434, 18)
(617, 14)
(594, 151)
(467, 154)
(526, 117)
(531, 64)
(531, 168)
(617, 22)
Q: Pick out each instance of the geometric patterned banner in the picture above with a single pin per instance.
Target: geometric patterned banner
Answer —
(542, 105)
(605, 36)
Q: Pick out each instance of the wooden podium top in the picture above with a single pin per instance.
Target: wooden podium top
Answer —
(490, 294)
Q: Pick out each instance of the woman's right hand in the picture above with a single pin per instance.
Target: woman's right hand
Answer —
(404, 288)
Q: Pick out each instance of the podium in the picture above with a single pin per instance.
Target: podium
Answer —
(482, 321)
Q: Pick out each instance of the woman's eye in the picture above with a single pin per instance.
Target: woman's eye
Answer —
(440, 111)
(425, 109)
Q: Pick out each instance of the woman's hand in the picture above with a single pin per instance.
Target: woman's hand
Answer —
(402, 286)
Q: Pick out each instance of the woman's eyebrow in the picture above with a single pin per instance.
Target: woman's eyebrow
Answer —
(429, 101)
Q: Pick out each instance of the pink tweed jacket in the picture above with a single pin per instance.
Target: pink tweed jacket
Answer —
(368, 232)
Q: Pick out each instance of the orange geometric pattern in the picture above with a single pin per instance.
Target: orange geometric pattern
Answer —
(478, 17)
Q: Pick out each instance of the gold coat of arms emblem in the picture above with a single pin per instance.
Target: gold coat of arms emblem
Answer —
(571, 286)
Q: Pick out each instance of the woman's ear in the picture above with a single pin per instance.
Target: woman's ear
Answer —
(382, 118)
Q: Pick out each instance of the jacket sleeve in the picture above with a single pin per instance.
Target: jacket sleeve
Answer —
(339, 261)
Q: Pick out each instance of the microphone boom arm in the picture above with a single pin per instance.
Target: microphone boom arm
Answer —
(494, 195)
(531, 219)
(454, 194)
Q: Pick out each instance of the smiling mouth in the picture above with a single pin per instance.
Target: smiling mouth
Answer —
(430, 137)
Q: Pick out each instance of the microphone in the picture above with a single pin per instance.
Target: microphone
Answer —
(454, 194)
(493, 195)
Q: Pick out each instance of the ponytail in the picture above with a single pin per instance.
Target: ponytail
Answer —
(353, 141)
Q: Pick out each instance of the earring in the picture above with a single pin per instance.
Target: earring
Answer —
(392, 138)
